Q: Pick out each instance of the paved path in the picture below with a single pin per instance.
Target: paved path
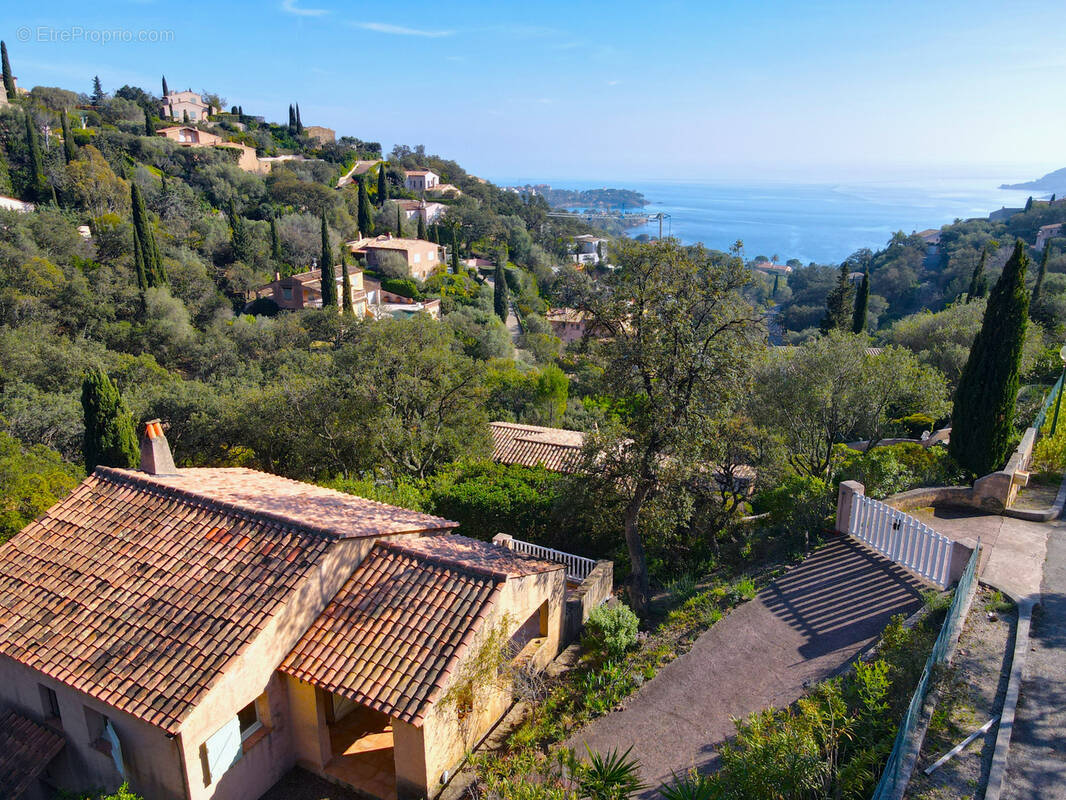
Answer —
(1036, 764)
(801, 629)
(1013, 549)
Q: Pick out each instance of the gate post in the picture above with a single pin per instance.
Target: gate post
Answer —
(845, 502)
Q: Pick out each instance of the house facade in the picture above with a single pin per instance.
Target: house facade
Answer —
(304, 290)
(421, 180)
(320, 134)
(184, 106)
(422, 258)
(430, 212)
(198, 632)
(587, 248)
(188, 136)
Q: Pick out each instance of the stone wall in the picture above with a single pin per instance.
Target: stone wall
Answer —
(590, 593)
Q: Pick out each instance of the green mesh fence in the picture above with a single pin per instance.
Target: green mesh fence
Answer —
(1047, 408)
(893, 779)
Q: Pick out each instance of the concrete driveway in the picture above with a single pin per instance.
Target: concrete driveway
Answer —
(802, 628)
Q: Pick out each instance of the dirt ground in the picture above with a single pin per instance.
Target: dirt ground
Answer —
(971, 692)
(1039, 493)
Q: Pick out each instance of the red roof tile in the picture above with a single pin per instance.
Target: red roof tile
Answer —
(25, 750)
(556, 449)
(397, 629)
(139, 589)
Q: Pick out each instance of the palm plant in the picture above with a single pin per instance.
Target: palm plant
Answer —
(609, 776)
(692, 786)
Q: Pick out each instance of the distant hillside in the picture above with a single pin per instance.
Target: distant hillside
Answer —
(1052, 182)
(587, 198)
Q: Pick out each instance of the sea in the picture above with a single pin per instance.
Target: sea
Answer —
(812, 222)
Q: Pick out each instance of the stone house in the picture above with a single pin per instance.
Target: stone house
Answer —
(198, 632)
(304, 290)
(188, 136)
(422, 258)
(421, 180)
(177, 105)
(430, 212)
(320, 134)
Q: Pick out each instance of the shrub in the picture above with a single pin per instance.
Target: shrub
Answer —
(1049, 454)
(405, 287)
(611, 630)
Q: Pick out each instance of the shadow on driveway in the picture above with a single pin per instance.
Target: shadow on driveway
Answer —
(802, 628)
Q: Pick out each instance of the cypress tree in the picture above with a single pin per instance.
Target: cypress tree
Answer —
(9, 80)
(862, 303)
(166, 91)
(839, 309)
(777, 284)
(455, 250)
(70, 150)
(299, 122)
(292, 119)
(275, 241)
(346, 286)
(499, 286)
(109, 436)
(982, 422)
(328, 279)
(240, 241)
(1038, 287)
(977, 279)
(399, 222)
(144, 239)
(240, 113)
(383, 185)
(138, 261)
(98, 91)
(421, 227)
(149, 127)
(1029, 203)
(36, 183)
(366, 219)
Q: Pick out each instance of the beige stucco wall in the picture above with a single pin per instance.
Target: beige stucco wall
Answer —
(152, 760)
(447, 739)
(253, 673)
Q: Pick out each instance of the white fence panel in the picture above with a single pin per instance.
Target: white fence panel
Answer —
(902, 538)
(577, 567)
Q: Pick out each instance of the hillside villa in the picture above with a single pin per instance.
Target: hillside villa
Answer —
(420, 257)
(199, 632)
(420, 180)
(304, 290)
(188, 136)
(389, 304)
(569, 324)
(429, 212)
(320, 134)
(587, 248)
(1046, 233)
(187, 106)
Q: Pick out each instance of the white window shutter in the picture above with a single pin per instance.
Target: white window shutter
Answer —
(223, 749)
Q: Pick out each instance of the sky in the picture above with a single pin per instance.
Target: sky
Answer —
(580, 90)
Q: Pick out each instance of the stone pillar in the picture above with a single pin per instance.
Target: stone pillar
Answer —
(502, 539)
(845, 500)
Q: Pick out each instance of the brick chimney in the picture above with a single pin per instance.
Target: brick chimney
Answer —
(155, 452)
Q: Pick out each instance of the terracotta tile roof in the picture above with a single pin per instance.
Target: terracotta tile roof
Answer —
(25, 750)
(139, 589)
(555, 449)
(389, 243)
(397, 629)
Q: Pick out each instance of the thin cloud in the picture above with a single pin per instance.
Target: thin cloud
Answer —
(613, 83)
(400, 30)
(290, 7)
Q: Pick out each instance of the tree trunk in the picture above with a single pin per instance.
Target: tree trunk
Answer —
(639, 590)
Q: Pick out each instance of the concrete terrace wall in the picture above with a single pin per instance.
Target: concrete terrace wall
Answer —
(591, 593)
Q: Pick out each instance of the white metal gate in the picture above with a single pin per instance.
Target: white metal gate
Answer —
(902, 538)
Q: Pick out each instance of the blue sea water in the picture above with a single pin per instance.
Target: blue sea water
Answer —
(811, 222)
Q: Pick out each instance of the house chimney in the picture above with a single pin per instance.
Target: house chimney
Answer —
(155, 452)
(277, 275)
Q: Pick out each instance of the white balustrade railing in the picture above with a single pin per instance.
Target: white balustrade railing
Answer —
(902, 538)
(577, 567)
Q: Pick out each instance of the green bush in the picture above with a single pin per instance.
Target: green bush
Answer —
(896, 468)
(1049, 454)
(611, 630)
(405, 287)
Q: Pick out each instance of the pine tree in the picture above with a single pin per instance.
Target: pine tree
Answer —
(383, 186)
(70, 150)
(839, 309)
(982, 423)
(9, 80)
(149, 126)
(862, 304)
(154, 274)
(299, 122)
(110, 440)
(366, 219)
(328, 279)
(399, 222)
(978, 284)
(1034, 301)
(166, 91)
(346, 286)
(36, 184)
(97, 98)
(499, 286)
(421, 227)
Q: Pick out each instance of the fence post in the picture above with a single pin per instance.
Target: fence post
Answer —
(845, 503)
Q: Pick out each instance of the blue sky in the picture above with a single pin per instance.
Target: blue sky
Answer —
(764, 89)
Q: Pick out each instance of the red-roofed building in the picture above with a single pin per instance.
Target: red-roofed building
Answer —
(198, 632)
